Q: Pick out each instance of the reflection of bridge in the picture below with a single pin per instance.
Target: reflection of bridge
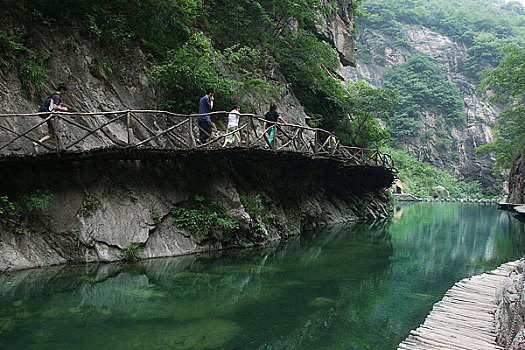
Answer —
(131, 130)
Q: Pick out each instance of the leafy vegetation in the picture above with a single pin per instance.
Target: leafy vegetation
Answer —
(10, 47)
(88, 206)
(38, 200)
(131, 253)
(506, 84)
(203, 217)
(422, 179)
(421, 85)
(15, 215)
(156, 216)
(253, 205)
(230, 45)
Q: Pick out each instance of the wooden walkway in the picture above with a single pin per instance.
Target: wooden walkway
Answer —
(130, 130)
(464, 319)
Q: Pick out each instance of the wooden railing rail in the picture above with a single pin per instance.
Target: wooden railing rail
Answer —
(132, 129)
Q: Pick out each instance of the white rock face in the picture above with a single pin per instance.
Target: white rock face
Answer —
(337, 29)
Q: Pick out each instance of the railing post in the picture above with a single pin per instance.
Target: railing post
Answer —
(254, 129)
(316, 140)
(128, 125)
(248, 124)
(191, 137)
(58, 137)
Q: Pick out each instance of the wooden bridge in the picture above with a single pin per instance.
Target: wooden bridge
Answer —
(464, 319)
(129, 131)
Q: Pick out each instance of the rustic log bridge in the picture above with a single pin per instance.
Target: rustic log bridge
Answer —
(164, 130)
(464, 318)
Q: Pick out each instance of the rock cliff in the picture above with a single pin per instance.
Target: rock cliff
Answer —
(510, 321)
(338, 30)
(379, 51)
(517, 180)
(103, 207)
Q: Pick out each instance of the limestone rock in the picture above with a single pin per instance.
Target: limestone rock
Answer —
(459, 158)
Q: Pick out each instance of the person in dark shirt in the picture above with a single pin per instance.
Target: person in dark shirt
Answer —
(269, 124)
(55, 104)
(205, 106)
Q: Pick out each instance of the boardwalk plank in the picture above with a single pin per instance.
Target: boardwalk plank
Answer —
(464, 318)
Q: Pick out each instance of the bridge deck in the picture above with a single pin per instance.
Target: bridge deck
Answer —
(464, 319)
(133, 130)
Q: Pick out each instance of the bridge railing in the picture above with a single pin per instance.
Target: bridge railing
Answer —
(132, 129)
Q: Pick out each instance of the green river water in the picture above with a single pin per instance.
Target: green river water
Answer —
(362, 286)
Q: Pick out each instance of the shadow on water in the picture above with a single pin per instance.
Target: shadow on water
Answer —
(347, 287)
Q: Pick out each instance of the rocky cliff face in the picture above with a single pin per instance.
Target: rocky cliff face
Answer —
(459, 156)
(510, 322)
(103, 207)
(338, 30)
(517, 180)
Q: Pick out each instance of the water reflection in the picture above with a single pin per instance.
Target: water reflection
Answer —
(347, 287)
(275, 297)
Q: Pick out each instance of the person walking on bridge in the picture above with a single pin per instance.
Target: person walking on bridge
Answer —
(269, 124)
(203, 120)
(233, 124)
(52, 104)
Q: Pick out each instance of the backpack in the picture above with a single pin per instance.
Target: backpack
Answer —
(44, 107)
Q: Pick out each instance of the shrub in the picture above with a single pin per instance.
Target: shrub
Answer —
(252, 204)
(88, 206)
(131, 253)
(203, 217)
(38, 200)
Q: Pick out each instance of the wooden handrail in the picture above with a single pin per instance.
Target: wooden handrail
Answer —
(181, 134)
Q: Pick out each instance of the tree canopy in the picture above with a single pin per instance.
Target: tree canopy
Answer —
(506, 84)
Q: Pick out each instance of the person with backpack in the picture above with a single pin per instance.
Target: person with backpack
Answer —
(51, 104)
(270, 119)
(203, 120)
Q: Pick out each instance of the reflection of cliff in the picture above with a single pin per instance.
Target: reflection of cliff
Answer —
(441, 234)
(308, 283)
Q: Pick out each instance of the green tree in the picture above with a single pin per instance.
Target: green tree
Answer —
(506, 84)
(189, 71)
(421, 85)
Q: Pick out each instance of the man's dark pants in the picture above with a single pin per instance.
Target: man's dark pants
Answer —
(204, 130)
